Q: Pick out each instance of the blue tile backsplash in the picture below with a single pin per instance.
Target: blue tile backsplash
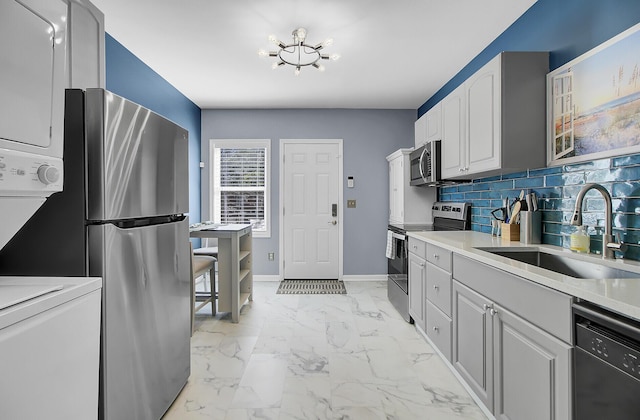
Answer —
(557, 188)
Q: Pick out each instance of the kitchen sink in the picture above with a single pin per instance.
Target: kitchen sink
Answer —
(562, 264)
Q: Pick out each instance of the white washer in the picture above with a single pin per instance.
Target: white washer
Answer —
(49, 347)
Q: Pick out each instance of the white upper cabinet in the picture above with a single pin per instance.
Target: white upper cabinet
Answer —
(453, 136)
(495, 121)
(407, 204)
(429, 126)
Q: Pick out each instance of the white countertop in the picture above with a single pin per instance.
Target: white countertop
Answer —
(620, 295)
(217, 226)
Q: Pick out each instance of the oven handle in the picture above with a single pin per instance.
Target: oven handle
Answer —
(397, 236)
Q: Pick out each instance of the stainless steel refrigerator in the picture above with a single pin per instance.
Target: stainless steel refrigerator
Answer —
(121, 216)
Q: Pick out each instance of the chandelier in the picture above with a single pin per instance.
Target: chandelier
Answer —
(299, 54)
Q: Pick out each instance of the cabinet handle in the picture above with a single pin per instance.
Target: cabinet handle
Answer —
(461, 170)
(436, 329)
(436, 256)
(421, 264)
(493, 312)
(486, 307)
(436, 287)
(415, 247)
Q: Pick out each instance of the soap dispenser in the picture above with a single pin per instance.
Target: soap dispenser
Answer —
(580, 240)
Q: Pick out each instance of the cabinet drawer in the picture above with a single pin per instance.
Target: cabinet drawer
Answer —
(439, 288)
(439, 329)
(439, 257)
(417, 247)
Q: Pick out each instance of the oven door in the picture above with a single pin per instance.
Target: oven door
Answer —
(398, 266)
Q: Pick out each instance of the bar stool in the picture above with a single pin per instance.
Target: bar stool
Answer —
(210, 248)
(200, 266)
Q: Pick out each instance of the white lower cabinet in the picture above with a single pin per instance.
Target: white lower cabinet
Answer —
(417, 282)
(532, 370)
(472, 341)
(438, 329)
(508, 338)
(518, 370)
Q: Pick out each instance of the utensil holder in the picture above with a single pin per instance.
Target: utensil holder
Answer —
(510, 231)
(530, 227)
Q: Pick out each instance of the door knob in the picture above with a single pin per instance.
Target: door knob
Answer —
(333, 222)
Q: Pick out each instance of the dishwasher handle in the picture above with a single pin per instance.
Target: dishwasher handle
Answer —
(604, 318)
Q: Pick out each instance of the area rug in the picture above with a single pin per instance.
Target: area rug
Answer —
(311, 287)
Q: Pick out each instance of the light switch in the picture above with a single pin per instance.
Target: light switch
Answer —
(351, 204)
(350, 182)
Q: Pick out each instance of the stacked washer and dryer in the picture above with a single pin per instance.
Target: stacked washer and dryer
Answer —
(49, 326)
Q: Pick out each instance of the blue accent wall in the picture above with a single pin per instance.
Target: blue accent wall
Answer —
(567, 29)
(130, 78)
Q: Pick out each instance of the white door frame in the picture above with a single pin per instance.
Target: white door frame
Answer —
(338, 142)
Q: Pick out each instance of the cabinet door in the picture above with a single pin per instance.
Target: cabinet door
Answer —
(453, 154)
(532, 371)
(434, 123)
(396, 190)
(421, 131)
(483, 118)
(417, 296)
(473, 341)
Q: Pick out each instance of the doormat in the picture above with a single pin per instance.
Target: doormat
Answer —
(311, 287)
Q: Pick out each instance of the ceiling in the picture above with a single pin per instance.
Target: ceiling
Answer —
(394, 54)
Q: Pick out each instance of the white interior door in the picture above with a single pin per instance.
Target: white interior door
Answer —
(312, 215)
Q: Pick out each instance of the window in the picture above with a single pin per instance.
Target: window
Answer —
(563, 115)
(240, 183)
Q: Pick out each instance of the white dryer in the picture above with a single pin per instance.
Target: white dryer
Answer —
(45, 47)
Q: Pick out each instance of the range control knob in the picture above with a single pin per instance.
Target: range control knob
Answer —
(48, 174)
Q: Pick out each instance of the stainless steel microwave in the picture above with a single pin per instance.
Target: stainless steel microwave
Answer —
(425, 165)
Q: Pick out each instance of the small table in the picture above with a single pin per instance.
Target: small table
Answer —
(235, 274)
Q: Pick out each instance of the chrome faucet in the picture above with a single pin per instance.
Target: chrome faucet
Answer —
(608, 244)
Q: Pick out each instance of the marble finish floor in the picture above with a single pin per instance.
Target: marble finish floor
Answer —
(317, 357)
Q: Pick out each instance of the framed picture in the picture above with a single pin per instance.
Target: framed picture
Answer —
(593, 103)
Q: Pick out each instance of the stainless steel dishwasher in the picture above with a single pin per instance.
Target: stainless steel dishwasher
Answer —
(606, 364)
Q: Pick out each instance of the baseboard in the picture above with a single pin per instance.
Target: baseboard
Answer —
(266, 277)
(365, 277)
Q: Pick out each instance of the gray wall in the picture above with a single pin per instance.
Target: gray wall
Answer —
(368, 137)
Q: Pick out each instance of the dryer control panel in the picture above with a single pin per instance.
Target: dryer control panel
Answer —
(27, 174)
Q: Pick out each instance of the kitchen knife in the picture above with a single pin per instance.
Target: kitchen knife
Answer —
(529, 203)
(534, 201)
(507, 209)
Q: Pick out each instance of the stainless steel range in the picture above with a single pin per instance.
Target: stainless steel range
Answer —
(446, 216)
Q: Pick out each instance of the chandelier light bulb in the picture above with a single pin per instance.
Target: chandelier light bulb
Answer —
(335, 57)
(328, 42)
(262, 53)
(297, 71)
